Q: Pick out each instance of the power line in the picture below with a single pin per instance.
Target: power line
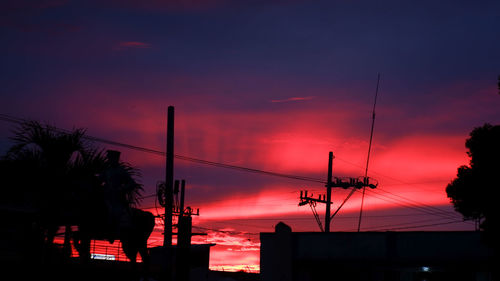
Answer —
(251, 170)
(415, 207)
(413, 202)
(17, 120)
(404, 200)
(308, 218)
(426, 208)
(423, 225)
(227, 231)
(407, 224)
(393, 194)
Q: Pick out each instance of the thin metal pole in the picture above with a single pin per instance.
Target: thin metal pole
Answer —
(369, 151)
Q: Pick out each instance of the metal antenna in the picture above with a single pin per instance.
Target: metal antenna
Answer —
(369, 151)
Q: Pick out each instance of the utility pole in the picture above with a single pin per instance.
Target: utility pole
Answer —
(169, 197)
(183, 190)
(181, 252)
(184, 233)
(328, 192)
(165, 192)
(169, 179)
(344, 183)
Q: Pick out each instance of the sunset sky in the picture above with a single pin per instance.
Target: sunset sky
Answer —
(271, 85)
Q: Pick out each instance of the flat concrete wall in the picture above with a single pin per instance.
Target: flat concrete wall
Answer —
(374, 255)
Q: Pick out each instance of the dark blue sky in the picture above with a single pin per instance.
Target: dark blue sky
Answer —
(267, 84)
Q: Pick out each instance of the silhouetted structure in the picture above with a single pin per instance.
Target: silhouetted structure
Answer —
(134, 235)
(180, 254)
(197, 264)
(411, 256)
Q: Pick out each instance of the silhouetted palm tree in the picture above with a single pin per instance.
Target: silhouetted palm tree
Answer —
(58, 174)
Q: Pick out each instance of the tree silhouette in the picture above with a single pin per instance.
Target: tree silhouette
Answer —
(473, 191)
(57, 175)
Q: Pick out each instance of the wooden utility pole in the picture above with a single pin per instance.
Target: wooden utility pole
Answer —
(169, 179)
(328, 192)
(166, 193)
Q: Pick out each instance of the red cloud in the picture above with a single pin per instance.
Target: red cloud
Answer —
(292, 99)
(421, 158)
(133, 44)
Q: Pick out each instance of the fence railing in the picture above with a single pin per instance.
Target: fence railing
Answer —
(101, 250)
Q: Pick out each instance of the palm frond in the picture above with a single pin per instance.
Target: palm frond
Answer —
(133, 194)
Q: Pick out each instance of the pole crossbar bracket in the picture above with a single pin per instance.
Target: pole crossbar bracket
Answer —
(358, 182)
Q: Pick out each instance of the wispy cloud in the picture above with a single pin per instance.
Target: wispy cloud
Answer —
(293, 99)
(133, 44)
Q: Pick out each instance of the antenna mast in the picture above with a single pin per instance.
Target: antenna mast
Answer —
(369, 151)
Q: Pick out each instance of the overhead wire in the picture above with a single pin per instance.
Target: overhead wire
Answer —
(413, 202)
(403, 198)
(177, 156)
(233, 232)
(422, 225)
(415, 207)
(406, 224)
(401, 201)
(308, 218)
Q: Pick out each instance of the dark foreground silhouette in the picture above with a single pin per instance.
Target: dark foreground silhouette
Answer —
(471, 192)
(133, 234)
(53, 179)
(54, 264)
